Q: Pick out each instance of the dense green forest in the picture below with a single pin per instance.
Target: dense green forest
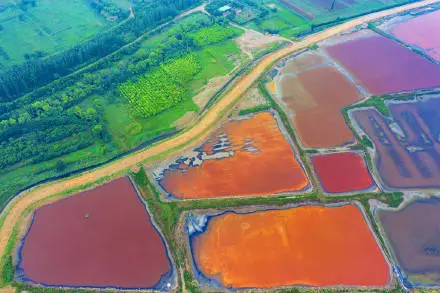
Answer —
(91, 116)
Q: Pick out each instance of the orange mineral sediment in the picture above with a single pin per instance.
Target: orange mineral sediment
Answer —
(309, 245)
(259, 161)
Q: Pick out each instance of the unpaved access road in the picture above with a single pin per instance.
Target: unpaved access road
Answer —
(15, 210)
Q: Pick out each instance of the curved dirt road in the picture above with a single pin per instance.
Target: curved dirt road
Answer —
(14, 211)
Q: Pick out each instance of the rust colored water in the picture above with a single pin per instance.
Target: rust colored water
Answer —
(316, 96)
(422, 31)
(342, 172)
(100, 238)
(384, 66)
(310, 245)
(249, 157)
(412, 158)
(414, 235)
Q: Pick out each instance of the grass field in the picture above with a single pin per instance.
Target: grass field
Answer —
(280, 20)
(51, 26)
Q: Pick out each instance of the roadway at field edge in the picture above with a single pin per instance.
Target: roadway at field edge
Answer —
(15, 209)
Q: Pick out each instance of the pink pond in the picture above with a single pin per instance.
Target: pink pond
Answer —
(382, 65)
(422, 31)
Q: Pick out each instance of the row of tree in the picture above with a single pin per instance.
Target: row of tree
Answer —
(163, 88)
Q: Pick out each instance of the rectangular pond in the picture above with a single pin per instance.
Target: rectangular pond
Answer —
(102, 237)
(413, 233)
(407, 144)
(249, 156)
(342, 172)
(307, 245)
(314, 93)
(382, 65)
(422, 31)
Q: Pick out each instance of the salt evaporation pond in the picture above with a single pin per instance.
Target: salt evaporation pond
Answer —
(307, 245)
(414, 236)
(382, 65)
(103, 237)
(422, 31)
(248, 156)
(408, 148)
(342, 172)
(316, 92)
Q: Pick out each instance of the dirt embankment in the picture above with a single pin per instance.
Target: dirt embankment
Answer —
(18, 207)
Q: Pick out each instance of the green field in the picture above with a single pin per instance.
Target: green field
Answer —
(97, 123)
(51, 26)
(280, 20)
(293, 18)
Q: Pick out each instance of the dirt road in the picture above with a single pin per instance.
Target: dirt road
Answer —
(13, 212)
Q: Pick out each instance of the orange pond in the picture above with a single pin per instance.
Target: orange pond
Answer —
(309, 245)
(316, 93)
(244, 157)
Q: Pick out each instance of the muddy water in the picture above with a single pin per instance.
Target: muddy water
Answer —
(316, 96)
(414, 235)
(250, 157)
(310, 245)
(342, 172)
(422, 31)
(411, 158)
(384, 66)
(99, 238)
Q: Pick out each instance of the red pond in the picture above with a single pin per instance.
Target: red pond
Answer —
(342, 172)
(99, 238)
(384, 66)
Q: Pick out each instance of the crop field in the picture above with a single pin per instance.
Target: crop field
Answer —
(221, 166)
(292, 18)
(422, 31)
(408, 146)
(342, 172)
(412, 234)
(48, 27)
(280, 20)
(273, 248)
(382, 65)
(98, 238)
(328, 10)
(314, 90)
